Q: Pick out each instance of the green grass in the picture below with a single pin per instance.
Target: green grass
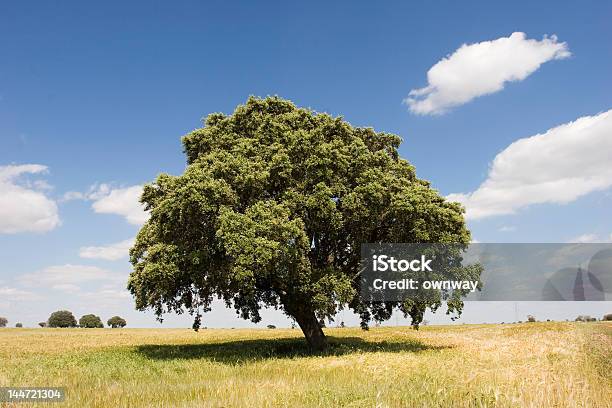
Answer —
(522, 365)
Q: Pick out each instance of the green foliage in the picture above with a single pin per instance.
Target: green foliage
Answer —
(271, 326)
(271, 211)
(531, 318)
(18, 325)
(91, 321)
(62, 318)
(3, 321)
(607, 317)
(116, 322)
(42, 324)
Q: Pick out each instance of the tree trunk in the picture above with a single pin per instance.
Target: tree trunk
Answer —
(312, 330)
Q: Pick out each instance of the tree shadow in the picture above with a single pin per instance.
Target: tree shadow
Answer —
(243, 351)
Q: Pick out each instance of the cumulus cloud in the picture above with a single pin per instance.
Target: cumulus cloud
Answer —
(558, 166)
(95, 192)
(124, 202)
(24, 207)
(68, 277)
(480, 69)
(110, 252)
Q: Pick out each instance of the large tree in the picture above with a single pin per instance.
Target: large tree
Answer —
(116, 321)
(62, 318)
(271, 210)
(91, 321)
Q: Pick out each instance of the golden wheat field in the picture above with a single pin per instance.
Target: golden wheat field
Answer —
(512, 365)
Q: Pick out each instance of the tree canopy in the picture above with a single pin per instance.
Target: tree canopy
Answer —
(3, 321)
(91, 321)
(116, 322)
(271, 210)
(62, 318)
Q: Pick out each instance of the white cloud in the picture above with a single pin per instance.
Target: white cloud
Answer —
(23, 206)
(480, 69)
(122, 201)
(95, 192)
(107, 294)
(66, 287)
(16, 294)
(558, 166)
(110, 252)
(68, 277)
(590, 238)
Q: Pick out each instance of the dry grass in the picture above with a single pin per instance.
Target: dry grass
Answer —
(519, 365)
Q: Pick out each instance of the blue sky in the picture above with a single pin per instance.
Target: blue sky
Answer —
(100, 94)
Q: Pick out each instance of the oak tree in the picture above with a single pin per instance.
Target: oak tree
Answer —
(271, 211)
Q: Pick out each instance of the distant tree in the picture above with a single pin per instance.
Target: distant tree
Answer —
(62, 318)
(91, 321)
(271, 326)
(3, 321)
(342, 325)
(42, 324)
(18, 325)
(116, 322)
(607, 317)
(272, 210)
(531, 318)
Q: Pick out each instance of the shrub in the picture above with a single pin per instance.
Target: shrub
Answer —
(18, 325)
(271, 326)
(531, 318)
(116, 321)
(607, 317)
(62, 318)
(91, 321)
(42, 324)
(3, 321)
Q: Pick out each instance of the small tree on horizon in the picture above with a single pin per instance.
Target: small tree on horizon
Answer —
(3, 321)
(18, 325)
(531, 318)
(62, 318)
(116, 322)
(91, 321)
(42, 324)
(271, 211)
(607, 317)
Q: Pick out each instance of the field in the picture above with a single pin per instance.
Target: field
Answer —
(518, 365)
